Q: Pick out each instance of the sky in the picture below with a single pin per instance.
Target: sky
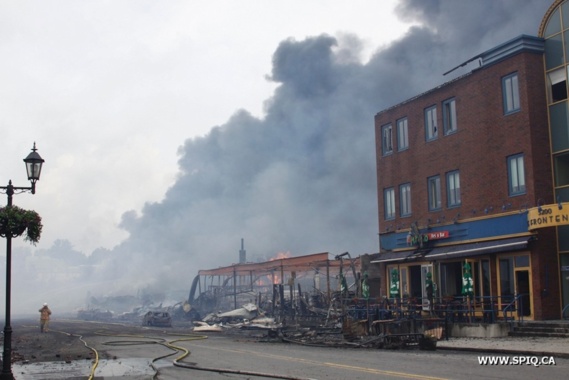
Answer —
(110, 90)
(173, 129)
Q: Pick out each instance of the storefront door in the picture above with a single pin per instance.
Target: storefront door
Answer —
(515, 280)
(523, 289)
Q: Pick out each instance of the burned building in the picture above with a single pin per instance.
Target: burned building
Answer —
(282, 286)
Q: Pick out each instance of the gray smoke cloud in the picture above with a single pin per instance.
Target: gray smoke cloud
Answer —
(300, 180)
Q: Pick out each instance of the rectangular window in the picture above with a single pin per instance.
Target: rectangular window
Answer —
(434, 184)
(507, 288)
(387, 139)
(516, 175)
(389, 203)
(431, 123)
(562, 169)
(511, 93)
(485, 280)
(450, 279)
(453, 189)
(521, 261)
(405, 199)
(449, 116)
(402, 134)
(403, 282)
(559, 121)
(557, 85)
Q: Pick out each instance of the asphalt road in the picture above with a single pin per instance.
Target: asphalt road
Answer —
(136, 352)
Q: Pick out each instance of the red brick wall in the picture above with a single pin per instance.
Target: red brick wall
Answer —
(479, 148)
(484, 139)
(545, 275)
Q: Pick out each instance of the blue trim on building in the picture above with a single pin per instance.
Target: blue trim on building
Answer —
(514, 46)
(479, 229)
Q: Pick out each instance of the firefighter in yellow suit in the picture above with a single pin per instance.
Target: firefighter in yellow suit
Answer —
(44, 317)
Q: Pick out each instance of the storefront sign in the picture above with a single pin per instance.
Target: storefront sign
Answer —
(548, 216)
(438, 235)
(418, 238)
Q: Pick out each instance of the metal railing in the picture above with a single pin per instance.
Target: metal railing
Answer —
(510, 309)
(565, 309)
(437, 313)
(485, 309)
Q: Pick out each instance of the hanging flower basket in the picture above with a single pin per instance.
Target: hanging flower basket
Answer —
(14, 221)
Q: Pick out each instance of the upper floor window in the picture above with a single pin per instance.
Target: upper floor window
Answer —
(449, 116)
(431, 123)
(557, 85)
(511, 93)
(389, 203)
(402, 134)
(434, 185)
(405, 199)
(387, 139)
(453, 189)
(516, 175)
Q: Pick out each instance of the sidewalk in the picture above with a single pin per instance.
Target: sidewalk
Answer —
(556, 347)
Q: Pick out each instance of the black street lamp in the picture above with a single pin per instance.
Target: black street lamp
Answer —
(33, 166)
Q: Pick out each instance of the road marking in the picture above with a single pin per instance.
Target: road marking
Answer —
(383, 372)
(327, 364)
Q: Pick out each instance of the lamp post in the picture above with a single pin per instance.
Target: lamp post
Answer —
(34, 164)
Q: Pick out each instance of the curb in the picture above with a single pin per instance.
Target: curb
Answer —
(564, 355)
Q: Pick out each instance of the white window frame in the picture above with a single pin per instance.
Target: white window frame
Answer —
(453, 189)
(449, 116)
(387, 139)
(389, 203)
(405, 199)
(434, 191)
(516, 175)
(402, 134)
(431, 130)
(511, 93)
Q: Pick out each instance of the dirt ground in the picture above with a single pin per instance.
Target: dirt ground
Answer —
(63, 341)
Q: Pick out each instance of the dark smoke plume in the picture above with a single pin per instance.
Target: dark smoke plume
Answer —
(302, 179)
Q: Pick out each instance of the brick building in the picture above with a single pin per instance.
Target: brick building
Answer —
(473, 171)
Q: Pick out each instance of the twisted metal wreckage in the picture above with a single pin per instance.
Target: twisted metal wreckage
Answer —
(309, 300)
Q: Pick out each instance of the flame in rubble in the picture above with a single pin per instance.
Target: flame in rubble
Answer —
(281, 255)
(274, 277)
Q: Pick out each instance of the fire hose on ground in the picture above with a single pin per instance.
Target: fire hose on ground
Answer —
(178, 361)
(186, 352)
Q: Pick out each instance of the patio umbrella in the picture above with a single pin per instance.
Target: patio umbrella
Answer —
(429, 285)
(365, 287)
(394, 286)
(343, 283)
(467, 289)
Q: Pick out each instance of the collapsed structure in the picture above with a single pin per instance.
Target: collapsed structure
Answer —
(287, 286)
(308, 296)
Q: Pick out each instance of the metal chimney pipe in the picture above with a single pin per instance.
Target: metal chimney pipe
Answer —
(242, 253)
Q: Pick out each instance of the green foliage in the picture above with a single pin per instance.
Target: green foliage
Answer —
(14, 221)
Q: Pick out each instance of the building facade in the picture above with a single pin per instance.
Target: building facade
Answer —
(476, 171)
(555, 31)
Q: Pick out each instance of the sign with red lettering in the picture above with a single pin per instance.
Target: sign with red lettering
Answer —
(438, 235)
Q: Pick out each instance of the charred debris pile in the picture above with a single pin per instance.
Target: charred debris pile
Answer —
(308, 300)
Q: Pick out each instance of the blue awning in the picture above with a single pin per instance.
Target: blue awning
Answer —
(392, 256)
(456, 251)
(476, 249)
